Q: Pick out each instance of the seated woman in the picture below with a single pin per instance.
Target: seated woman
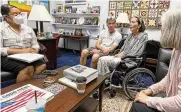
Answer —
(18, 38)
(133, 46)
(171, 83)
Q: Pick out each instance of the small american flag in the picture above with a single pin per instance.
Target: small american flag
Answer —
(19, 101)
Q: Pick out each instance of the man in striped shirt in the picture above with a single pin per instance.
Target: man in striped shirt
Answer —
(18, 38)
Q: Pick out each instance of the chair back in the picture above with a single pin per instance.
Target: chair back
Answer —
(151, 52)
(163, 63)
(121, 43)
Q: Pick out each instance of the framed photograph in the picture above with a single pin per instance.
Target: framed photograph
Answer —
(78, 32)
(59, 8)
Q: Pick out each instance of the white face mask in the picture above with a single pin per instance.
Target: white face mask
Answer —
(18, 19)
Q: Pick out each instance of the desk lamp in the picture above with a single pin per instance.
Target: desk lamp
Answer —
(39, 13)
(123, 19)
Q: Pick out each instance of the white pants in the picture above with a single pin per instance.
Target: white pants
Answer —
(107, 62)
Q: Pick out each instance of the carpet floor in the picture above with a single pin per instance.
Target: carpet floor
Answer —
(119, 103)
(69, 58)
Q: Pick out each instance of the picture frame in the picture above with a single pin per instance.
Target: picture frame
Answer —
(78, 32)
(59, 8)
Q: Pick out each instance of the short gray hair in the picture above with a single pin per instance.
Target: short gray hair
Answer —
(171, 29)
(111, 19)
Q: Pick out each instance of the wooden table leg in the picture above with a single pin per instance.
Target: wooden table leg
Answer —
(100, 96)
(64, 42)
(80, 43)
(67, 44)
(87, 43)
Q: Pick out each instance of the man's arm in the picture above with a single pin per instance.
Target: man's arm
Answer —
(113, 47)
(98, 45)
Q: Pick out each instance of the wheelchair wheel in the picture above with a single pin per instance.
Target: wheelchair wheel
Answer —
(137, 80)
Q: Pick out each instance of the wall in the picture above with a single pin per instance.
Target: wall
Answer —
(152, 33)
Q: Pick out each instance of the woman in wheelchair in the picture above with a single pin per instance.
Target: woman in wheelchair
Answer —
(171, 83)
(133, 46)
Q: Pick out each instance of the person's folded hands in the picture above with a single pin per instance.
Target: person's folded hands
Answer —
(106, 51)
(94, 51)
(141, 97)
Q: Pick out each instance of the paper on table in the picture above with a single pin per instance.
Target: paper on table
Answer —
(27, 57)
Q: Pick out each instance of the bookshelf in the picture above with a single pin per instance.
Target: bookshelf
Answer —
(70, 20)
(76, 15)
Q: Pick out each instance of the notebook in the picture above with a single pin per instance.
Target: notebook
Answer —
(26, 57)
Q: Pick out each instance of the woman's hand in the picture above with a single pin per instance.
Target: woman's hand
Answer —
(148, 92)
(29, 50)
(106, 51)
(118, 55)
(141, 97)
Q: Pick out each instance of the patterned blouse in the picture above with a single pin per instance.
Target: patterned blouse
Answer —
(12, 39)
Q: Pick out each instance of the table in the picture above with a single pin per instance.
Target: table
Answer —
(71, 37)
(68, 100)
(50, 44)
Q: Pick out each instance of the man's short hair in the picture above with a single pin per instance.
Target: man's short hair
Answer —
(111, 19)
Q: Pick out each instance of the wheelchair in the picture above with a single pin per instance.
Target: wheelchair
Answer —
(131, 76)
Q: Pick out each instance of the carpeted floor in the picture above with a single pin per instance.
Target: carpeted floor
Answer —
(69, 58)
(117, 104)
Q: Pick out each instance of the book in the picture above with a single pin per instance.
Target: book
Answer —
(68, 82)
(76, 71)
(15, 100)
(26, 57)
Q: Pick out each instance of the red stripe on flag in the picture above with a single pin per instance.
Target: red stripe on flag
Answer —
(20, 103)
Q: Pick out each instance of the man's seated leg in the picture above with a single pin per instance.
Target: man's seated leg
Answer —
(83, 58)
(94, 61)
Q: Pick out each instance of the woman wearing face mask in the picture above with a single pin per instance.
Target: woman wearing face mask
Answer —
(18, 38)
(133, 46)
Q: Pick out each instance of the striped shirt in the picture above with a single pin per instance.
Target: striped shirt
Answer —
(134, 46)
(171, 84)
(12, 39)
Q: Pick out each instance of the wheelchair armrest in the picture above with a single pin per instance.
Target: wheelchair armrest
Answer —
(116, 51)
(132, 57)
